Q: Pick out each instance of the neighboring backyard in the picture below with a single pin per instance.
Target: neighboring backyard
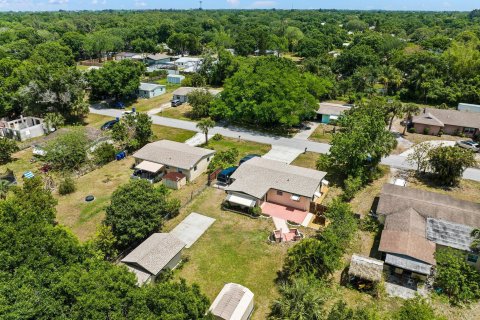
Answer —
(234, 249)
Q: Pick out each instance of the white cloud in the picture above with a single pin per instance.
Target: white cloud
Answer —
(103, 2)
(60, 2)
(140, 3)
(263, 4)
(233, 2)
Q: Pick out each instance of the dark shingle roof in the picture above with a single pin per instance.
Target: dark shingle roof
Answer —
(441, 117)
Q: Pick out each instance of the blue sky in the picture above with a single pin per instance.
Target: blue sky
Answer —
(44, 5)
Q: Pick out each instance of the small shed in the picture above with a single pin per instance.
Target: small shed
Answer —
(175, 78)
(174, 180)
(234, 302)
(366, 268)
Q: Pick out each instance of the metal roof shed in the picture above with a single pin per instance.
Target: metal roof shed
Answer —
(234, 302)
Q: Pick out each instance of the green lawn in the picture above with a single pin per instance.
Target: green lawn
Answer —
(307, 160)
(324, 133)
(233, 249)
(243, 147)
(181, 112)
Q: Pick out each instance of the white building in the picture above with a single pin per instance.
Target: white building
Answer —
(150, 90)
(234, 302)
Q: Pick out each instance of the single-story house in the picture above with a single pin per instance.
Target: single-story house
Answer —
(330, 111)
(234, 302)
(182, 93)
(417, 223)
(365, 268)
(160, 251)
(127, 55)
(434, 121)
(150, 90)
(162, 157)
(467, 107)
(174, 180)
(157, 59)
(259, 181)
(23, 128)
(188, 64)
(175, 78)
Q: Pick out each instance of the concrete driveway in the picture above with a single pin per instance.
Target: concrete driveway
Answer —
(283, 154)
(305, 134)
(192, 228)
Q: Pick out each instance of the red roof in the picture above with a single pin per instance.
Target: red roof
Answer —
(174, 176)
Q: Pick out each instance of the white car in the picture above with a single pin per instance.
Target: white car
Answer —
(467, 144)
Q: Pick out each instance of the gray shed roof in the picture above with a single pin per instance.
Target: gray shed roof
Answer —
(233, 302)
(449, 234)
(441, 117)
(173, 154)
(408, 263)
(149, 86)
(258, 175)
(333, 109)
(429, 205)
(155, 253)
(366, 268)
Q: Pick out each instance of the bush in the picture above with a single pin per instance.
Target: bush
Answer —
(441, 132)
(256, 211)
(7, 148)
(412, 130)
(67, 186)
(104, 153)
(217, 137)
(67, 151)
(426, 130)
(351, 187)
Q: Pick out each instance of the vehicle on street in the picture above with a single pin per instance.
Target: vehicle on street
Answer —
(118, 105)
(248, 157)
(224, 175)
(127, 112)
(176, 103)
(468, 144)
(109, 124)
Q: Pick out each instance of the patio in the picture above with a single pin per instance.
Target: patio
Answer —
(285, 213)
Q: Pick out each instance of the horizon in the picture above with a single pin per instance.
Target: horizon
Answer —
(208, 5)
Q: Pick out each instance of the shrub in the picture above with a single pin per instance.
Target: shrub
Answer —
(67, 151)
(67, 186)
(104, 153)
(441, 132)
(412, 130)
(7, 148)
(351, 187)
(256, 211)
(426, 130)
(217, 137)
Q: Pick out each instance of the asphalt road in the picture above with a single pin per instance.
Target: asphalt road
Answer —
(395, 161)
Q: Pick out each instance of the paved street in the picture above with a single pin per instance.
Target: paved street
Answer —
(395, 161)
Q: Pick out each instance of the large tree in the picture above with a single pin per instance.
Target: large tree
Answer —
(449, 163)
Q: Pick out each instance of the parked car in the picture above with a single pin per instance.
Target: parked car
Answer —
(176, 103)
(224, 175)
(468, 144)
(118, 105)
(109, 124)
(248, 157)
(127, 112)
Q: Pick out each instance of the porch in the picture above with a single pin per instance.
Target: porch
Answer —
(296, 216)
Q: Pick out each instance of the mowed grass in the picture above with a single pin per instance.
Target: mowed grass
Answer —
(234, 249)
(144, 105)
(244, 147)
(323, 133)
(307, 160)
(181, 112)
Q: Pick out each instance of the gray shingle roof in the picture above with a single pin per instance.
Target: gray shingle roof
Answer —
(258, 175)
(173, 154)
(449, 234)
(149, 86)
(332, 109)
(233, 302)
(155, 253)
(441, 117)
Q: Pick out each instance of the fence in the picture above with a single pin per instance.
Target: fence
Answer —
(213, 176)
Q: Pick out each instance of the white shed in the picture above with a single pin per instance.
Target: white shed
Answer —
(234, 302)
(175, 78)
(150, 90)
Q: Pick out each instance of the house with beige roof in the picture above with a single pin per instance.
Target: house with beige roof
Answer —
(261, 182)
(418, 222)
(330, 111)
(453, 122)
(182, 93)
(160, 251)
(159, 158)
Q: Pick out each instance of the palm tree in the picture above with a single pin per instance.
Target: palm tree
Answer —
(409, 110)
(205, 125)
(4, 187)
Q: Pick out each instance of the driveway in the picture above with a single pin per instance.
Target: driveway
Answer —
(197, 139)
(192, 228)
(283, 154)
(305, 134)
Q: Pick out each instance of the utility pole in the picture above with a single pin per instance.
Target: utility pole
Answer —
(200, 5)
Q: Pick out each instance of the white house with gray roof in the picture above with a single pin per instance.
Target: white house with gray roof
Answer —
(150, 90)
(165, 156)
(261, 180)
(161, 251)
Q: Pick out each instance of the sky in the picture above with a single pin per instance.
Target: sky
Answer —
(54, 5)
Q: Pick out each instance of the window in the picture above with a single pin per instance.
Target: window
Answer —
(295, 197)
(279, 193)
(472, 258)
(469, 130)
(179, 170)
(195, 168)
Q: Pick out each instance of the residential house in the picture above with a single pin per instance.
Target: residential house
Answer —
(330, 111)
(162, 157)
(436, 121)
(188, 64)
(150, 90)
(276, 187)
(160, 251)
(128, 56)
(23, 128)
(175, 78)
(418, 222)
(234, 302)
(467, 107)
(182, 93)
(157, 59)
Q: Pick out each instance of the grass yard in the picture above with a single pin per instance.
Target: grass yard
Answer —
(181, 112)
(244, 147)
(96, 120)
(468, 190)
(307, 160)
(144, 105)
(174, 134)
(233, 249)
(323, 133)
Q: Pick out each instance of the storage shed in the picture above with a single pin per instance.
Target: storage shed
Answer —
(175, 78)
(234, 302)
(174, 180)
